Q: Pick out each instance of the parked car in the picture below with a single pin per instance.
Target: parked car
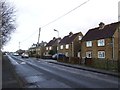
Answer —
(24, 55)
(15, 54)
(59, 56)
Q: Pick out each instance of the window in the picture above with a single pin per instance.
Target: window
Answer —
(78, 54)
(66, 54)
(50, 48)
(101, 54)
(80, 37)
(67, 46)
(89, 54)
(89, 43)
(46, 48)
(61, 47)
(45, 44)
(58, 41)
(101, 42)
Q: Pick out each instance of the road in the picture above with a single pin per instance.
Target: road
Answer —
(43, 74)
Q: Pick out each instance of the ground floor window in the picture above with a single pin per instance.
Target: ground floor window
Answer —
(66, 54)
(89, 54)
(101, 54)
(78, 54)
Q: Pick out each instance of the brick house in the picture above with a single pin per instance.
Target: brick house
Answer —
(70, 45)
(102, 42)
(32, 50)
(40, 50)
(51, 47)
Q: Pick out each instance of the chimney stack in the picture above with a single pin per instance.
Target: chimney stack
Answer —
(101, 25)
(54, 38)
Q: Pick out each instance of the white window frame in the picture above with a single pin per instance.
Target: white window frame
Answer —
(89, 44)
(57, 47)
(101, 42)
(79, 37)
(61, 47)
(89, 54)
(101, 54)
(67, 46)
(79, 54)
(46, 48)
(50, 48)
(66, 54)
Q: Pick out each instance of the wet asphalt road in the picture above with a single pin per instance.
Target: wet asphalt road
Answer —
(42, 74)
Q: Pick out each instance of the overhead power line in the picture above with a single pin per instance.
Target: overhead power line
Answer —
(57, 19)
(65, 14)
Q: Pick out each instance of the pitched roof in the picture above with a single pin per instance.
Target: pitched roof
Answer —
(52, 42)
(68, 39)
(96, 33)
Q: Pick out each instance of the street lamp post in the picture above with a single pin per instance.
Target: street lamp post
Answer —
(57, 42)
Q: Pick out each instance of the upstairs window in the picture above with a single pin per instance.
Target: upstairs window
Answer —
(61, 47)
(67, 46)
(46, 48)
(89, 44)
(101, 42)
(50, 48)
(80, 37)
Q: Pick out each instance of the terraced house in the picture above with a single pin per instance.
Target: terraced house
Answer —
(102, 42)
(70, 45)
(51, 47)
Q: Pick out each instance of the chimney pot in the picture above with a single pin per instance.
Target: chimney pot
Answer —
(101, 25)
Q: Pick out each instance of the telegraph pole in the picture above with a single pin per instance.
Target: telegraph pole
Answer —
(37, 52)
(39, 35)
(19, 45)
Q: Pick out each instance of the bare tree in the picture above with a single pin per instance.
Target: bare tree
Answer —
(7, 21)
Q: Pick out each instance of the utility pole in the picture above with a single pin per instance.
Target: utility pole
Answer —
(19, 45)
(37, 52)
(39, 35)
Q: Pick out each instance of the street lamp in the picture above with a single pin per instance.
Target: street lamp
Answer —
(57, 42)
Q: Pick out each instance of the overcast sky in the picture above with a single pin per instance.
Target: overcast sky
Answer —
(33, 14)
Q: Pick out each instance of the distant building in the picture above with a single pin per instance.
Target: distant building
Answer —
(51, 47)
(119, 11)
(40, 50)
(70, 45)
(37, 50)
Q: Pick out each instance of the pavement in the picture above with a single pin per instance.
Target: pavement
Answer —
(116, 74)
(8, 77)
